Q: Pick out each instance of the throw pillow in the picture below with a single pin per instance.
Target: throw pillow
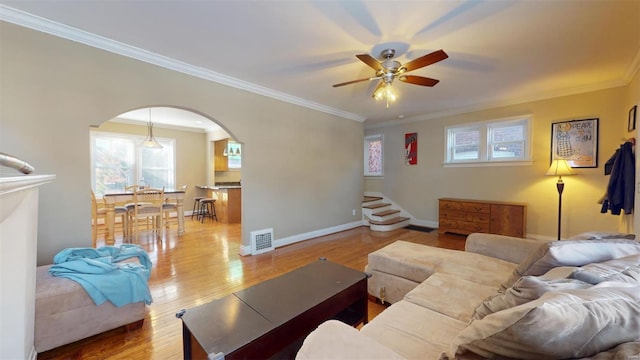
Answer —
(525, 289)
(569, 324)
(571, 253)
(626, 269)
(597, 235)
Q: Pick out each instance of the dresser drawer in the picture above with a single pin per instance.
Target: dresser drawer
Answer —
(453, 214)
(448, 223)
(477, 217)
(476, 207)
(450, 205)
(471, 227)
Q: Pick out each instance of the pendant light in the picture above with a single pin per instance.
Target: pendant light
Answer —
(150, 141)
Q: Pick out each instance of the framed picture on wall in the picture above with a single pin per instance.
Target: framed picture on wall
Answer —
(632, 118)
(575, 141)
(411, 149)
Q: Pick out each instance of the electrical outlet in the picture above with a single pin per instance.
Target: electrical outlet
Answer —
(353, 212)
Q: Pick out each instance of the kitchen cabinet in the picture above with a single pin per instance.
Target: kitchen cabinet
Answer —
(462, 216)
(220, 162)
(226, 155)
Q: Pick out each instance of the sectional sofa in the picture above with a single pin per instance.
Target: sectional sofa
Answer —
(503, 297)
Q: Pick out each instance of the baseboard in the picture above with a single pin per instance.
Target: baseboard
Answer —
(245, 250)
(33, 355)
(425, 223)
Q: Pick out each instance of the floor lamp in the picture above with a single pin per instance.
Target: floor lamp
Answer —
(559, 168)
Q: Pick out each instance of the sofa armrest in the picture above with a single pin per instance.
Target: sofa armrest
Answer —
(336, 340)
(508, 248)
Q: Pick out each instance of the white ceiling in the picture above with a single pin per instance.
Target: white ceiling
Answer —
(169, 117)
(500, 52)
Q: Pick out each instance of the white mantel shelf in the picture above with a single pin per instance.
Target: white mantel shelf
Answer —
(9, 184)
(18, 251)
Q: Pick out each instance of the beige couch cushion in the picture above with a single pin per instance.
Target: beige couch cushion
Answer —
(584, 322)
(450, 295)
(572, 253)
(417, 262)
(412, 331)
(345, 343)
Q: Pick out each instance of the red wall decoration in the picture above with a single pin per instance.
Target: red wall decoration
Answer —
(411, 148)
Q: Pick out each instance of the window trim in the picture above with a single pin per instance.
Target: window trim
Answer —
(485, 128)
(365, 160)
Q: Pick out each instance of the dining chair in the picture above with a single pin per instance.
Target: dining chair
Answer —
(147, 205)
(171, 206)
(99, 210)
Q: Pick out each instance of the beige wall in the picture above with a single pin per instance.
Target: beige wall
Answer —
(632, 99)
(302, 168)
(417, 188)
(190, 148)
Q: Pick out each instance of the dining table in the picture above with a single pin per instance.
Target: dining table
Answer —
(112, 197)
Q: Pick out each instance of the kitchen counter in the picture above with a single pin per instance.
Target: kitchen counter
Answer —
(228, 201)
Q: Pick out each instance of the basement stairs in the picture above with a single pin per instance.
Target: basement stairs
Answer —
(381, 216)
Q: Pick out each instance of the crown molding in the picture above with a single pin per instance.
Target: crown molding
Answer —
(500, 103)
(34, 22)
(633, 67)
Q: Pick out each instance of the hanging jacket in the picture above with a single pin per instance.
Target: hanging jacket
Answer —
(620, 191)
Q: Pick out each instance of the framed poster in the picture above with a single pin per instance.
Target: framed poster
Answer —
(411, 148)
(575, 141)
(632, 118)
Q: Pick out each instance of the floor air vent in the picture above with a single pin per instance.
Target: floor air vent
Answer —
(261, 241)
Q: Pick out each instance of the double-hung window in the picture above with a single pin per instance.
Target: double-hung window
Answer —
(119, 160)
(373, 155)
(504, 141)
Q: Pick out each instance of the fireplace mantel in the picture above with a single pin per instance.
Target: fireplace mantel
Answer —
(18, 250)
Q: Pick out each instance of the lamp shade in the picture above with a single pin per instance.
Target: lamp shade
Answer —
(560, 167)
(150, 141)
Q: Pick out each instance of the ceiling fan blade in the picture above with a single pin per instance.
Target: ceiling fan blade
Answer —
(356, 81)
(418, 80)
(425, 60)
(381, 84)
(371, 61)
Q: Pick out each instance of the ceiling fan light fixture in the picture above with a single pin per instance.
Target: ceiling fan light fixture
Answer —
(386, 92)
(389, 69)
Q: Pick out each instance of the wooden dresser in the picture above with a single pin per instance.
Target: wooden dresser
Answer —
(463, 216)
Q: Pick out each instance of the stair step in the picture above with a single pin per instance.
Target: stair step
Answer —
(386, 212)
(392, 221)
(375, 206)
(371, 198)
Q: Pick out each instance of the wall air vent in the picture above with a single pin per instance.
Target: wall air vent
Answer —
(261, 241)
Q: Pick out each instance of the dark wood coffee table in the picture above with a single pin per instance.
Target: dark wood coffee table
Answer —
(271, 319)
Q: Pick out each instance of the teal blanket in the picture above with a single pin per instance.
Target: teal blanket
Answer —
(103, 277)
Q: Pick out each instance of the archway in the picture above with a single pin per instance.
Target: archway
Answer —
(188, 155)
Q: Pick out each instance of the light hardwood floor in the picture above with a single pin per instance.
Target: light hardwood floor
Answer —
(204, 265)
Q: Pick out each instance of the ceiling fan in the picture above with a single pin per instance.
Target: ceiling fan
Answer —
(388, 70)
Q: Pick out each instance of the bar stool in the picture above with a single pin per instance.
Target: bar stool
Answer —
(196, 206)
(207, 209)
